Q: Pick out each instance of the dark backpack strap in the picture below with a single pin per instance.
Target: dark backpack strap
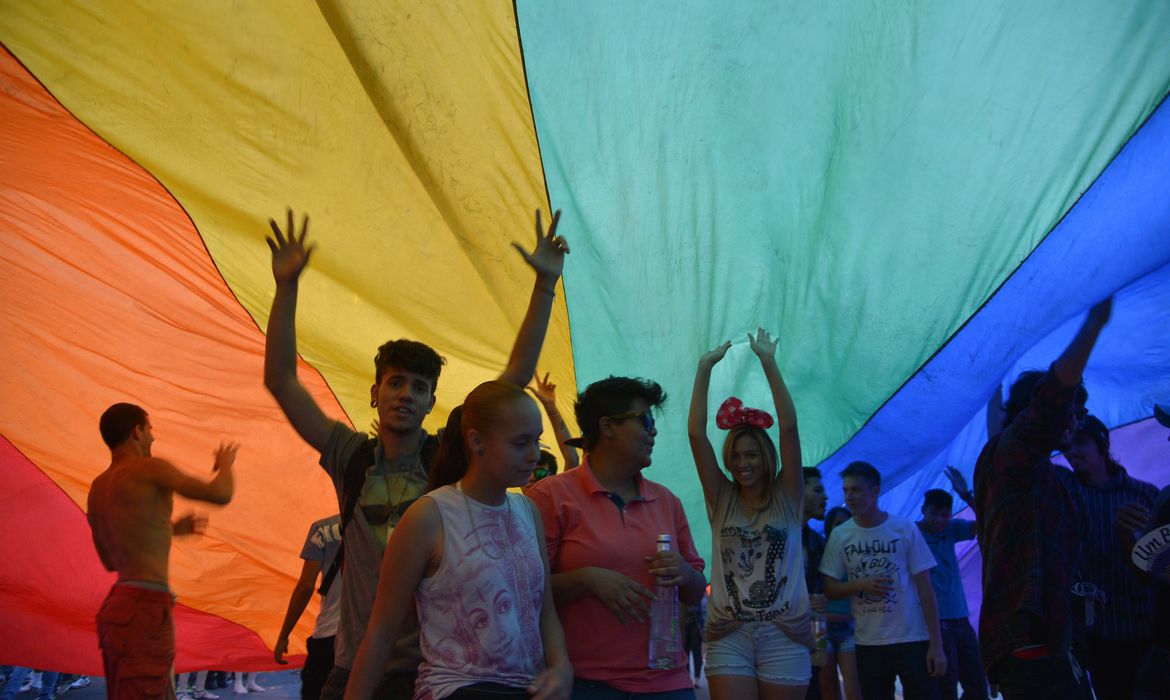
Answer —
(351, 490)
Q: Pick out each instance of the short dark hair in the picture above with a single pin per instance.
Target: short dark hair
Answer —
(831, 516)
(937, 498)
(1098, 432)
(812, 473)
(863, 470)
(547, 459)
(1020, 395)
(609, 397)
(411, 356)
(119, 421)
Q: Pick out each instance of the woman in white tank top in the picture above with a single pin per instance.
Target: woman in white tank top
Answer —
(758, 624)
(472, 557)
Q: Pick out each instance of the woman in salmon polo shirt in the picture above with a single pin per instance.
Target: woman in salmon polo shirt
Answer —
(758, 625)
(600, 522)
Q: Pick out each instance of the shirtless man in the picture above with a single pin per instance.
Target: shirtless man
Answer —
(129, 511)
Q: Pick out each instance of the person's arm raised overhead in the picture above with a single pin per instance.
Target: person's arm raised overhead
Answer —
(1070, 366)
(547, 260)
(290, 255)
(706, 462)
(791, 475)
(546, 392)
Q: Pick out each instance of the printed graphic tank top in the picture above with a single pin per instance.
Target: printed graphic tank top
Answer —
(480, 613)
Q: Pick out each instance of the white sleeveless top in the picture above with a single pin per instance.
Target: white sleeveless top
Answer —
(480, 613)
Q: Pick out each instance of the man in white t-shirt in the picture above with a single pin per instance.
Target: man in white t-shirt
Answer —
(885, 564)
(321, 546)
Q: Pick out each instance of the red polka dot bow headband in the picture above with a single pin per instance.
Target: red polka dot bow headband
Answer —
(732, 413)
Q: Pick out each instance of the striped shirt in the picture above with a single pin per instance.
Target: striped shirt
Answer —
(1128, 612)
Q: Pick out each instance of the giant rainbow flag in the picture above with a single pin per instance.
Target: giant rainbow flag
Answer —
(920, 198)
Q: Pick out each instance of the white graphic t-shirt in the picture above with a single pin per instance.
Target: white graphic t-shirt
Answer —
(895, 549)
(757, 571)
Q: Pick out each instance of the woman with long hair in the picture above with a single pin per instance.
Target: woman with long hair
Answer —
(839, 618)
(472, 557)
(758, 625)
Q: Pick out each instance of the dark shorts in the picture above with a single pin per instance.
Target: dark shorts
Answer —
(136, 631)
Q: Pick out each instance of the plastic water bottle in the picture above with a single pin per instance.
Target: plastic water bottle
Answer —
(821, 640)
(665, 636)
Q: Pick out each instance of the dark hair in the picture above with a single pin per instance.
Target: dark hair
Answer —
(547, 459)
(831, 517)
(411, 356)
(118, 423)
(937, 498)
(480, 411)
(812, 473)
(609, 397)
(1020, 395)
(863, 470)
(1093, 427)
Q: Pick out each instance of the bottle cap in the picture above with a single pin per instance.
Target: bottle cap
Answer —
(663, 538)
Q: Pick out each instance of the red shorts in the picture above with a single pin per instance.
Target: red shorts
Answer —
(136, 630)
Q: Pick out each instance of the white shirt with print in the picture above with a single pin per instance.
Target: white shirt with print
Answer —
(895, 549)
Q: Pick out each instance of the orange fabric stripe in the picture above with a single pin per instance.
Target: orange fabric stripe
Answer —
(110, 295)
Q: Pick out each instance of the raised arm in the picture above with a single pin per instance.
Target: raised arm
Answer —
(1070, 366)
(707, 464)
(791, 475)
(546, 392)
(219, 490)
(301, 595)
(959, 484)
(289, 258)
(547, 260)
(408, 555)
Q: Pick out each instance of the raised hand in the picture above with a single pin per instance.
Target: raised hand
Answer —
(763, 345)
(712, 358)
(225, 456)
(289, 254)
(958, 483)
(548, 258)
(544, 391)
(1101, 311)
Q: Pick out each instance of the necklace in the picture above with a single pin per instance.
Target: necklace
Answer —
(401, 466)
(475, 528)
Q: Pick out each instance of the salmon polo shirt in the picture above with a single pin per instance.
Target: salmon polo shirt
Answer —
(584, 525)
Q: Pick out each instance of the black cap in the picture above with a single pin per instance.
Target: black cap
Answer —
(1162, 414)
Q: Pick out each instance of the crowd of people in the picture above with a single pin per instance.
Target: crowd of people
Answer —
(438, 580)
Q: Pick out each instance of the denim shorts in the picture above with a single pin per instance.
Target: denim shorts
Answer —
(840, 636)
(760, 650)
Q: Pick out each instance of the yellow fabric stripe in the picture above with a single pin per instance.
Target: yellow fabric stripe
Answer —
(403, 129)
